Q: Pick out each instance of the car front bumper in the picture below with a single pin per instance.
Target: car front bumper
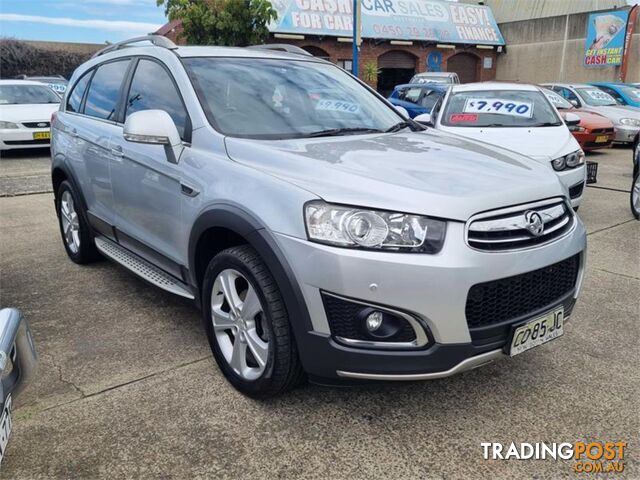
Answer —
(572, 178)
(433, 288)
(11, 138)
(625, 133)
(587, 140)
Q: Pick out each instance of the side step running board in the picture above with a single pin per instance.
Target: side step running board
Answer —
(142, 268)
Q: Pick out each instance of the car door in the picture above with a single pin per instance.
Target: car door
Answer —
(146, 186)
(90, 130)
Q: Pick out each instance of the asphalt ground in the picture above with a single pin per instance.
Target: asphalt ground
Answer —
(127, 387)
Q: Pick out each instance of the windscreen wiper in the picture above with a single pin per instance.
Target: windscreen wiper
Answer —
(546, 124)
(334, 132)
(405, 124)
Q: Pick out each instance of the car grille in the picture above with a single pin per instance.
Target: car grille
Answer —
(576, 190)
(42, 124)
(513, 298)
(506, 229)
(602, 130)
(44, 141)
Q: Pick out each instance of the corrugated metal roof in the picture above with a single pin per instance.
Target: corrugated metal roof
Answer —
(516, 10)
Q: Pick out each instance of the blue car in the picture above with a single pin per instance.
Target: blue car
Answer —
(624, 93)
(417, 98)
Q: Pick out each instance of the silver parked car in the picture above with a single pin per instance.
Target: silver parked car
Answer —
(626, 120)
(18, 360)
(319, 230)
(436, 77)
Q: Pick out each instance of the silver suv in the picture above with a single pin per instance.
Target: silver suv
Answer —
(320, 232)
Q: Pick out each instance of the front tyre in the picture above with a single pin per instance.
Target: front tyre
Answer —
(635, 193)
(74, 228)
(247, 324)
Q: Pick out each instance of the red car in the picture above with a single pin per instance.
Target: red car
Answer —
(593, 131)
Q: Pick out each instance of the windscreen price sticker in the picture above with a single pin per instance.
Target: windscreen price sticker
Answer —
(600, 95)
(499, 106)
(337, 106)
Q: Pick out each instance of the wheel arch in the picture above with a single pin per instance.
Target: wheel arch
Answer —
(238, 226)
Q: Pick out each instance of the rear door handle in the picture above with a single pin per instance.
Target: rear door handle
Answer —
(74, 132)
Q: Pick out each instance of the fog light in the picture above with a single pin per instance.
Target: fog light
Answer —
(374, 320)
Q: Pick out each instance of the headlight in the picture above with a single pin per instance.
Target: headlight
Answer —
(372, 229)
(576, 128)
(559, 163)
(570, 160)
(574, 159)
(8, 125)
(633, 122)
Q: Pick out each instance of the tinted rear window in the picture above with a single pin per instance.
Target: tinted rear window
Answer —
(75, 98)
(104, 91)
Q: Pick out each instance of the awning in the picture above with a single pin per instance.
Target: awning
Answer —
(428, 20)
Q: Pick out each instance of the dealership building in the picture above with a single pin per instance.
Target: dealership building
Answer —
(398, 37)
(533, 41)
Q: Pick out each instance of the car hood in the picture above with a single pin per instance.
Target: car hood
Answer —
(589, 119)
(429, 173)
(27, 113)
(541, 143)
(615, 112)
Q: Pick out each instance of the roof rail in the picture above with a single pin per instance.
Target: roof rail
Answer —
(157, 40)
(282, 47)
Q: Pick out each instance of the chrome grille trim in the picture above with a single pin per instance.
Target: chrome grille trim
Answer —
(505, 229)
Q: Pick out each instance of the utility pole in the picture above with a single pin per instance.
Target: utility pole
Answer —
(357, 15)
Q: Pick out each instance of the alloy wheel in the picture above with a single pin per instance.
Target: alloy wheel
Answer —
(238, 324)
(70, 222)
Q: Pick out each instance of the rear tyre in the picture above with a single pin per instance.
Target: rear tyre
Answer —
(74, 228)
(247, 324)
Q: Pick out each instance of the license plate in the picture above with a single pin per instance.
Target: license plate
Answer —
(602, 139)
(538, 331)
(5, 426)
(42, 135)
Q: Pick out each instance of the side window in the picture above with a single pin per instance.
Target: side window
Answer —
(153, 89)
(430, 98)
(104, 90)
(74, 101)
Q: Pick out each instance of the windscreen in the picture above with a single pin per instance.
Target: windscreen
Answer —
(557, 101)
(27, 95)
(499, 108)
(596, 97)
(273, 99)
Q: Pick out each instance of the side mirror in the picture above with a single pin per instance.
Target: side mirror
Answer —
(575, 103)
(424, 119)
(402, 111)
(154, 127)
(571, 119)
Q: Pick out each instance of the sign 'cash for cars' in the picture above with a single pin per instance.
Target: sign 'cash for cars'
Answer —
(605, 38)
(432, 20)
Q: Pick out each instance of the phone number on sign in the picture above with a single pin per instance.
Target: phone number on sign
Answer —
(411, 32)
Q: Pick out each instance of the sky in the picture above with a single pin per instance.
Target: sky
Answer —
(84, 21)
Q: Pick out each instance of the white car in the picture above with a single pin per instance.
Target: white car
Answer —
(25, 114)
(518, 117)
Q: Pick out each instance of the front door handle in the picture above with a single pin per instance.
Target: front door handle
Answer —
(117, 151)
(74, 133)
(188, 190)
